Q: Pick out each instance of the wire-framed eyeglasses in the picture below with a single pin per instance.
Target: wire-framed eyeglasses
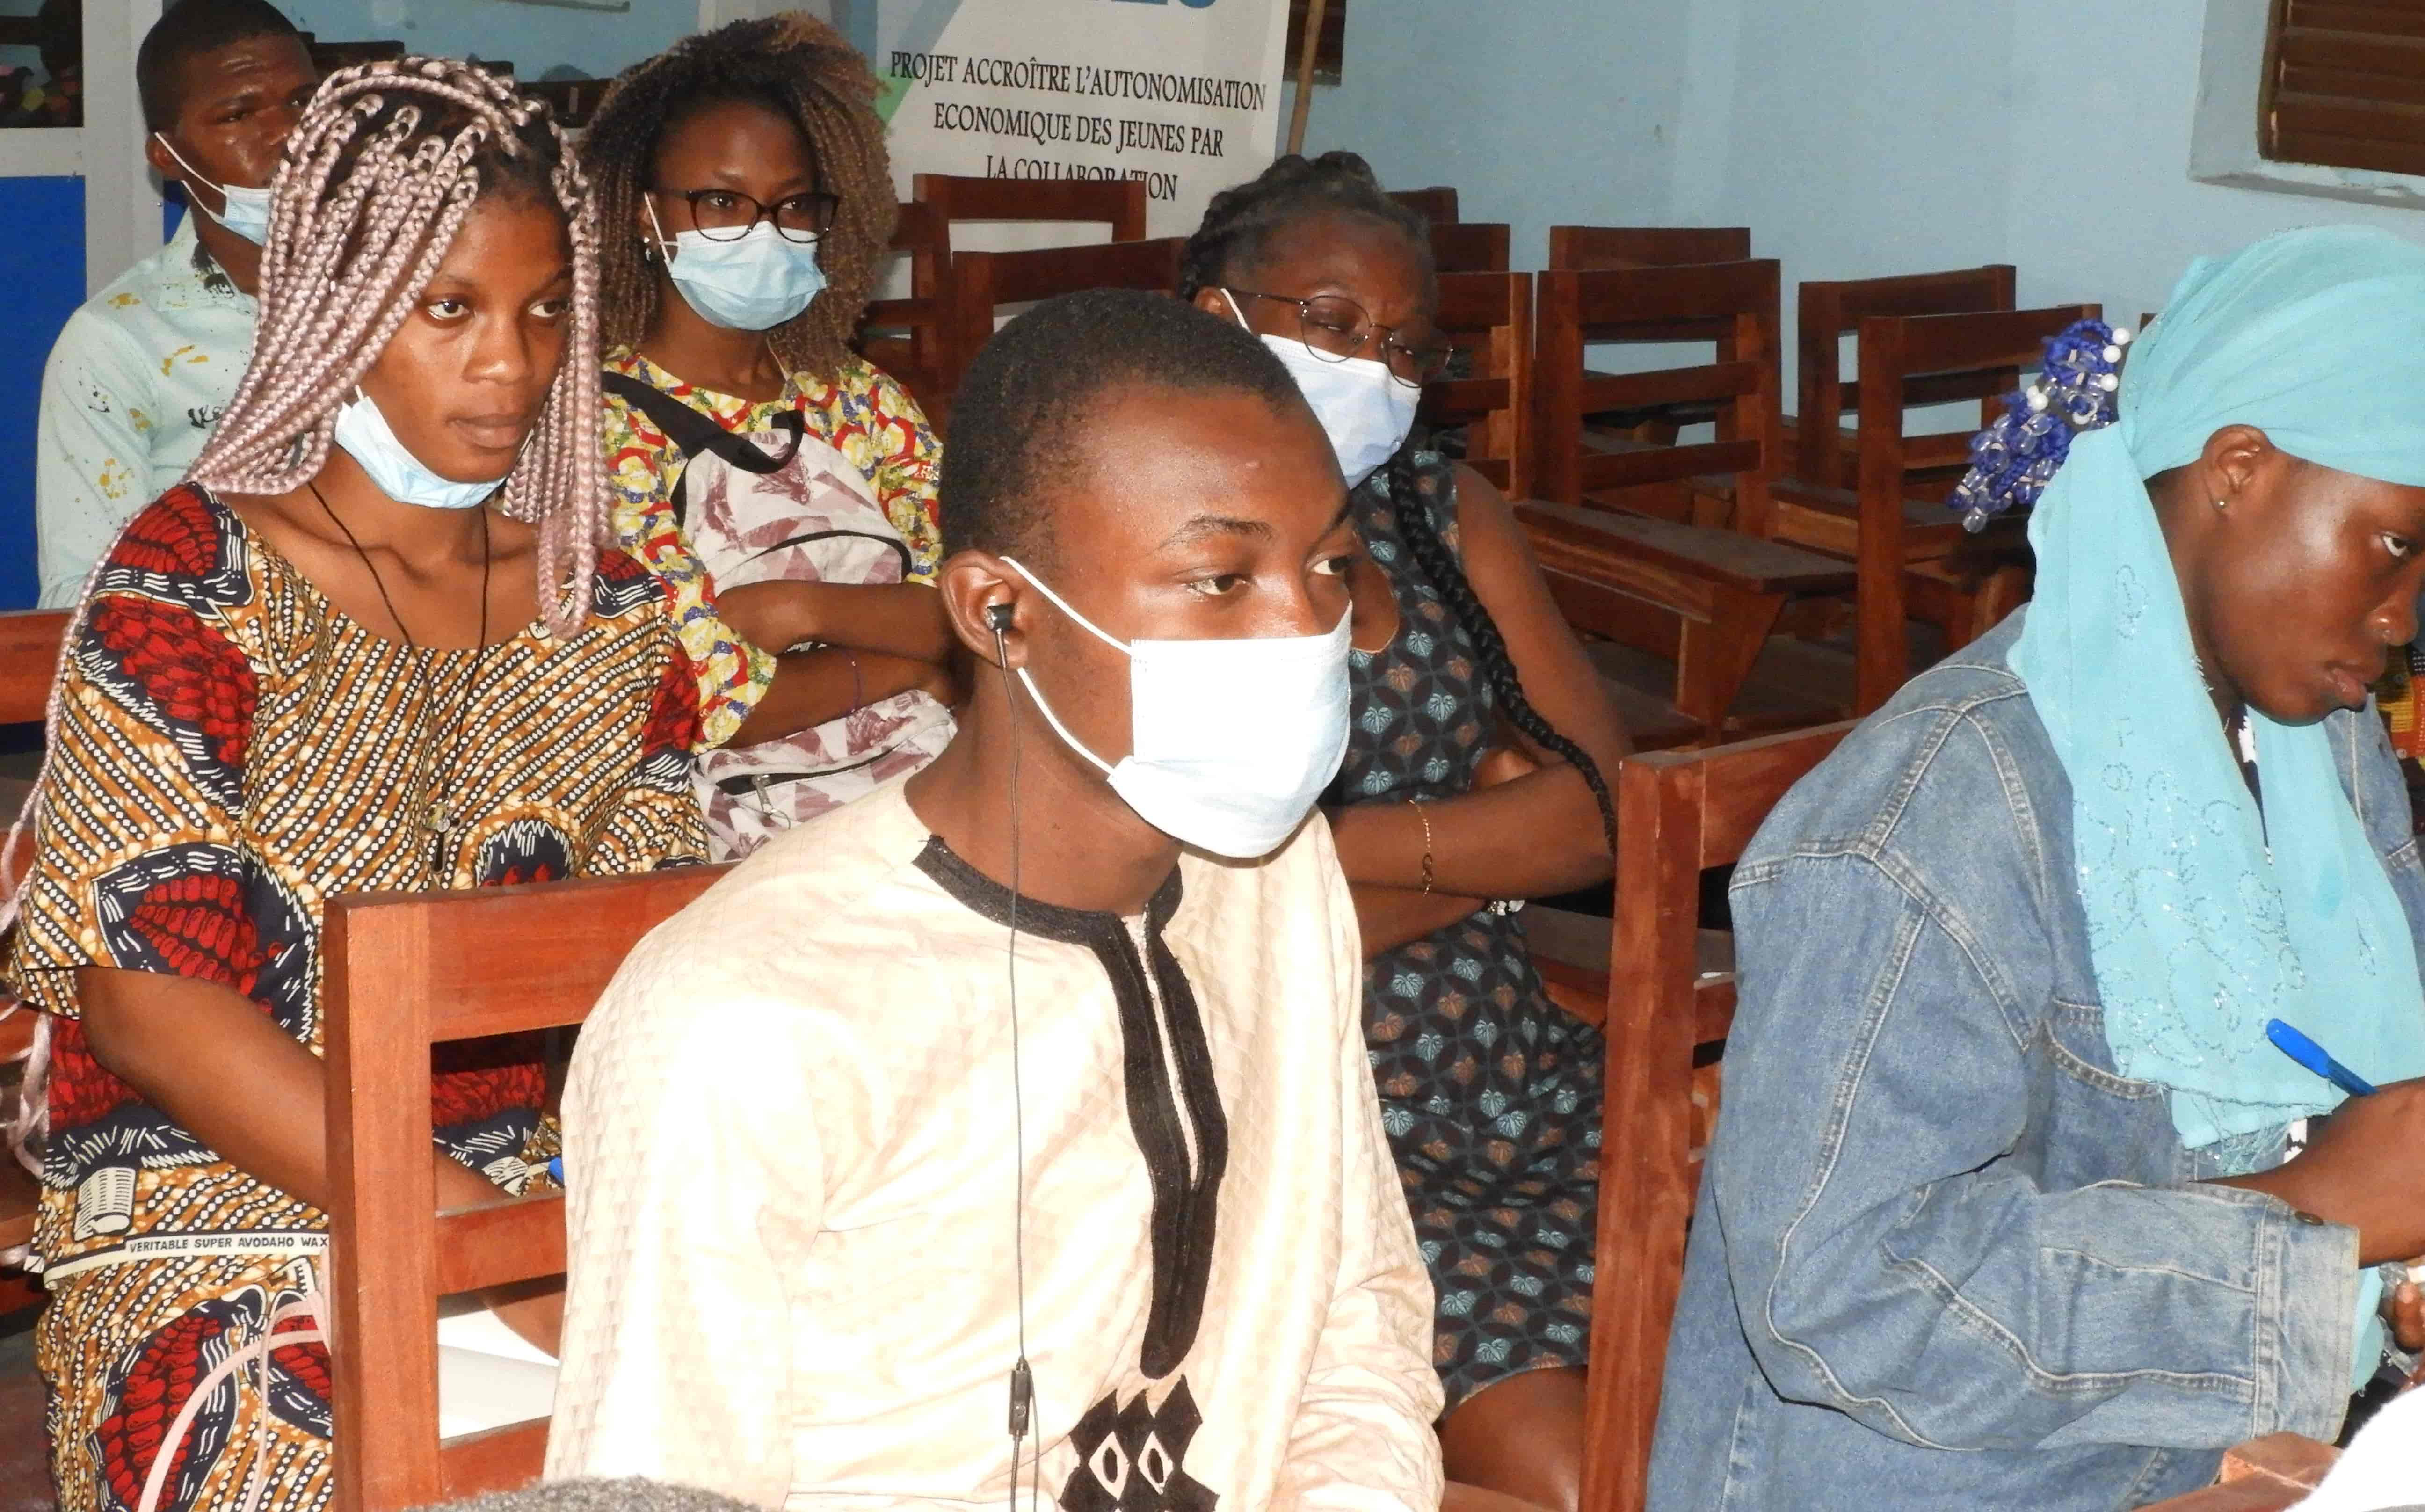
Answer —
(1336, 328)
(728, 215)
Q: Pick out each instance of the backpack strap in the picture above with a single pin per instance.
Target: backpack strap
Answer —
(695, 434)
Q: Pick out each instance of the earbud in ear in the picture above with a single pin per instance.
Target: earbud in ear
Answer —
(998, 616)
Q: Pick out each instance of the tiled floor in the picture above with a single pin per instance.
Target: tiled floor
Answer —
(25, 1471)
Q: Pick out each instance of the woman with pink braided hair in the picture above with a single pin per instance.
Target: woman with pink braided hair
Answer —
(371, 643)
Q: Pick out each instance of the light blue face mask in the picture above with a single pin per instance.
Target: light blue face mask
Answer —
(755, 282)
(363, 432)
(244, 211)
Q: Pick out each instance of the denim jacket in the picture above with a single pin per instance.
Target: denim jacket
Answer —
(1945, 1255)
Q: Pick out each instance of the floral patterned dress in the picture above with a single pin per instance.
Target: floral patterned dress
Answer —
(861, 413)
(231, 752)
(1490, 1093)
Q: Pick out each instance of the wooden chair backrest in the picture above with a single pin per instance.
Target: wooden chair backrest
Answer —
(1591, 247)
(1470, 246)
(406, 972)
(1681, 812)
(1118, 203)
(923, 357)
(1488, 316)
(1735, 303)
(29, 662)
(1895, 352)
(1437, 204)
(1830, 307)
(982, 283)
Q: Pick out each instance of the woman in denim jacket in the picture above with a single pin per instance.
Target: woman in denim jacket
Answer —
(2004, 1210)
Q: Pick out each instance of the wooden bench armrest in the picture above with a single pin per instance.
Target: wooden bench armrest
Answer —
(1745, 563)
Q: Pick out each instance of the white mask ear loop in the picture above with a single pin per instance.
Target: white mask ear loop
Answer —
(218, 189)
(1063, 605)
(1239, 316)
(1029, 682)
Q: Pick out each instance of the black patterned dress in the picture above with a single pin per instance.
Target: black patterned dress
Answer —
(1490, 1093)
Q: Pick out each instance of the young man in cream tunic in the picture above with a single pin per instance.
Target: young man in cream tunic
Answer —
(814, 1143)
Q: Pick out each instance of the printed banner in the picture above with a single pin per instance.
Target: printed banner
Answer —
(1183, 94)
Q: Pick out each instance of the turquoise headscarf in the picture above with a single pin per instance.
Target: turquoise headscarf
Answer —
(2198, 935)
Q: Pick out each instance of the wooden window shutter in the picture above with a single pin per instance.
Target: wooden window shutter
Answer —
(2344, 85)
(1330, 50)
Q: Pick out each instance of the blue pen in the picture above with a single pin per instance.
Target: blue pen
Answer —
(2307, 1052)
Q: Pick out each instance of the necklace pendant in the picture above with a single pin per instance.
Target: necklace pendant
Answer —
(435, 821)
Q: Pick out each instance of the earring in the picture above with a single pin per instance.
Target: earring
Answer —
(2222, 503)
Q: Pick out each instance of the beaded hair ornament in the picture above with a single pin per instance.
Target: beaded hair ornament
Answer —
(2077, 389)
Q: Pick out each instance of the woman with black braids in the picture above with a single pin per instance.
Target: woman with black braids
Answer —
(1490, 1094)
(747, 199)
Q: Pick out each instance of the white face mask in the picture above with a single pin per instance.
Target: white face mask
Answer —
(365, 433)
(1364, 410)
(1230, 741)
(244, 211)
(755, 282)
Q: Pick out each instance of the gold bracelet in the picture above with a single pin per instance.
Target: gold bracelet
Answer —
(1417, 804)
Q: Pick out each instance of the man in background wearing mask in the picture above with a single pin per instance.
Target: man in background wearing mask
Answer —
(850, 1193)
(139, 374)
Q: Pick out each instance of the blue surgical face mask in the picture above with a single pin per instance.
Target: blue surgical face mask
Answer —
(244, 211)
(363, 432)
(755, 282)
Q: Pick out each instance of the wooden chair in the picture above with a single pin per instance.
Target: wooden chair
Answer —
(1624, 247)
(1119, 203)
(1470, 246)
(1488, 318)
(1706, 600)
(1914, 559)
(1665, 1018)
(1733, 305)
(1437, 204)
(911, 338)
(404, 973)
(2266, 1474)
(1834, 308)
(1603, 247)
(982, 283)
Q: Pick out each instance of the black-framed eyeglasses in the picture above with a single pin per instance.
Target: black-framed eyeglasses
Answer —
(1336, 328)
(728, 215)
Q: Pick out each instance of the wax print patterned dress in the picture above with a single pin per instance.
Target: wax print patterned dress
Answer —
(233, 753)
(1490, 1092)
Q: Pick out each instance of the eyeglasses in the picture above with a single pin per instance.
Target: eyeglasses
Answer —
(1336, 328)
(728, 215)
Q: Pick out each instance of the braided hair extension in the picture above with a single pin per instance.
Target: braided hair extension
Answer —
(377, 180)
(800, 69)
(1238, 227)
(373, 185)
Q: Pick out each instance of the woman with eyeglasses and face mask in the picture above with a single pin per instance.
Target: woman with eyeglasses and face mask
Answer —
(1479, 738)
(744, 178)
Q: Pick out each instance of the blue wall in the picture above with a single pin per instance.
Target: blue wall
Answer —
(1855, 137)
(534, 37)
(43, 288)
